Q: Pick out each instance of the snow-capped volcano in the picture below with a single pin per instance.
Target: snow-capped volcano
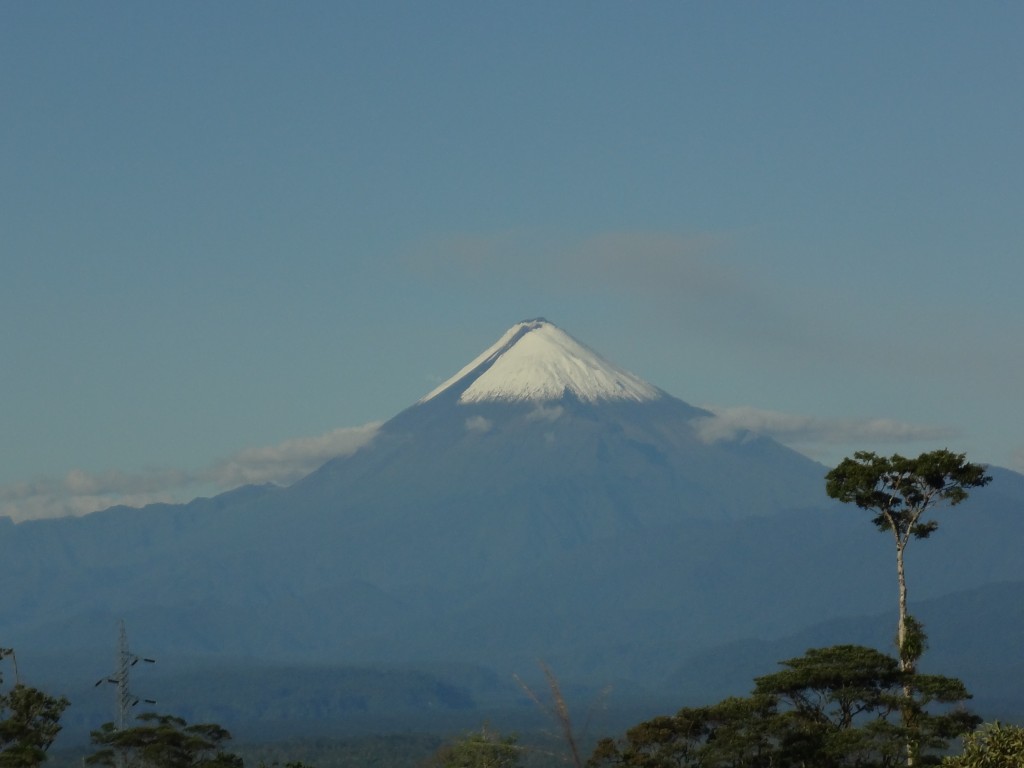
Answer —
(481, 531)
(536, 360)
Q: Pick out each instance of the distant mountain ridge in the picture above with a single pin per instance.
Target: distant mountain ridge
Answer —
(542, 503)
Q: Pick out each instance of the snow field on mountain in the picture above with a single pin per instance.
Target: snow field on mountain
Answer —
(536, 360)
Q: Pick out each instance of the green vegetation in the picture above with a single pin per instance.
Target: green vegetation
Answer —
(394, 750)
(901, 491)
(162, 741)
(480, 749)
(994, 746)
(29, 722)
(831, 708)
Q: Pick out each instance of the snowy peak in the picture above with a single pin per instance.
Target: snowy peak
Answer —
(536, 361)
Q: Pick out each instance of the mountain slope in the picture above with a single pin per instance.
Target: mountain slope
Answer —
(542, 503)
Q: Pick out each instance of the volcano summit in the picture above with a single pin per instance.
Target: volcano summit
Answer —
(535, 360)
(540, 421)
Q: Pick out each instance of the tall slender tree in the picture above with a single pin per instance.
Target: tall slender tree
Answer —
(901, 492)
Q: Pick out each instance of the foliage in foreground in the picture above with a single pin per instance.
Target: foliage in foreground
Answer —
(480, 749)
(383, 750)
(838, 707)
(993, 746)
(29, 722)
(162, 741)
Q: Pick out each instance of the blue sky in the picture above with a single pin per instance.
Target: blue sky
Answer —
(235, 234)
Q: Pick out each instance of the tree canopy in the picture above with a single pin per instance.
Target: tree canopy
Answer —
(479, 749)
(901, 492)
(837, 707)
(163, 741)
(29, 723)
(993, 746)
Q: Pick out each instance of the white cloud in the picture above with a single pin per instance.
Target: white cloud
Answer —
(286, 462)
(545, 413)
(813, 434)
(79, 492)
(478, 424)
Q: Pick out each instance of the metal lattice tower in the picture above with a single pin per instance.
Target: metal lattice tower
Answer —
(14, 660)
(124, 698)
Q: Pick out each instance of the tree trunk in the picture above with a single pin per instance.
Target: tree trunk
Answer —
(907, 662)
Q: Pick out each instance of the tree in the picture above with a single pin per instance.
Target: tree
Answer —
(993, 746)
(851, 708)
(29, 723)
(479, 749)
(901, 492)
(837, 707)
(162, 741)
(694, 736)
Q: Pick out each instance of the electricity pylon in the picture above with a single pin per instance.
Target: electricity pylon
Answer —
(125, 661)
(14, 661)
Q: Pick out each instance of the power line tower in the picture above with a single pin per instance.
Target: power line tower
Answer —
(125, 699)
(14, 660)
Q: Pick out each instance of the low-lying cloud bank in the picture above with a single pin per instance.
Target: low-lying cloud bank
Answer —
(79, 492)
(812, 435)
